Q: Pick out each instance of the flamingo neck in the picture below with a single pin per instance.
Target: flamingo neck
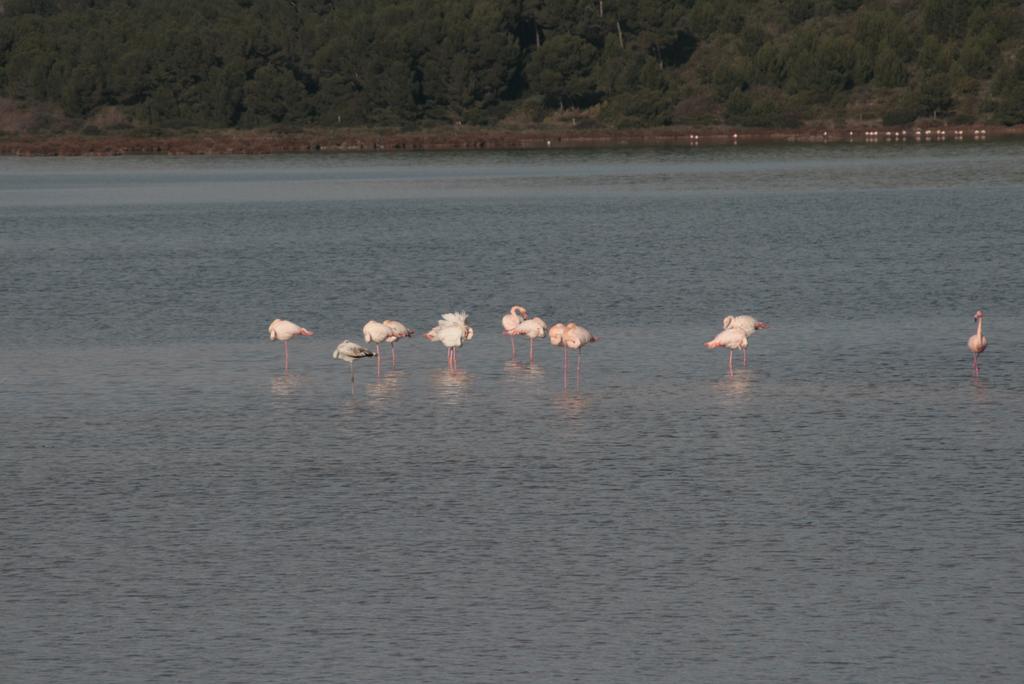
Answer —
(979, 327)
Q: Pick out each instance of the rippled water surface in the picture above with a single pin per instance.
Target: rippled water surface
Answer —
(847, 508)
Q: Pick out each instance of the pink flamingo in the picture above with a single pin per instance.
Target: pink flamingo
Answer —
(731, 338)
(748, 324)
(977, 342)
(576, 337)
(532, 328)
(452, 330)
(509, 323)
(285, 330)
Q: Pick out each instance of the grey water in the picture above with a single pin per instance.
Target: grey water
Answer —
(845, 508)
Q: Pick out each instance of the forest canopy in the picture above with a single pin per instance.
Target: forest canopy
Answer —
(416, 63)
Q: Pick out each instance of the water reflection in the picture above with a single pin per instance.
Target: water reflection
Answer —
(980, 388)
(284, 385)
(519, 370)
(571, 404)
(734, 387)
(386, 387)
(450, 385)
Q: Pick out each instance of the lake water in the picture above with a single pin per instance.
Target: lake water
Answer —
(847, 508)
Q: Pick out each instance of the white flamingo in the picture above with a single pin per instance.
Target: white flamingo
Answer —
(532, 328)
(977, 342)
(349, 352)
(398, 331)
(452, 331)
(376, 332)
(748, 324)
(732, 339)
(285, 330)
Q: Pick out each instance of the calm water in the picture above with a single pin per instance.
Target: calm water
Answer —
(846, 509)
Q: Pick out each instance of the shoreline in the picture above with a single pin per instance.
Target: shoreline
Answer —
(325, 140)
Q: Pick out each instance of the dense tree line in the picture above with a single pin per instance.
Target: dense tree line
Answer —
(222, 63)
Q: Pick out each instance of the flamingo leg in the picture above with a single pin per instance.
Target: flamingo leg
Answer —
(531, 350)
(565, 367)
(744, 358)
(378, 360)
(730, 363)
(286, 354)
(394, 359)
(513, 338)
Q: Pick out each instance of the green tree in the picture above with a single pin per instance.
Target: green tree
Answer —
(561, 70)
(272, 96)
(934, 95)
(1008, 94)
(889, 70)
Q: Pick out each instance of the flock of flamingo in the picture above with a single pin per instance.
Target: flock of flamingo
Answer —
(453, 330)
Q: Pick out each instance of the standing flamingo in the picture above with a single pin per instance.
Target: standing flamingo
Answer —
(509, 323)
(977, 342)
(576, 337)
(731, 338)
(748, 324)
(532, 328)
(349, 352)
(285, 330)
(376, 332)
(452, 330)
(397, 332)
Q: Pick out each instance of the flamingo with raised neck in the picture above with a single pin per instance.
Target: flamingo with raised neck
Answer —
(977, 342)
(511, 321)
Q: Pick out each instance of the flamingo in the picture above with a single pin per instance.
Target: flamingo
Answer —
(397, 332)
(748, 324)
(732, 338)
(576, 337)
(556, 334)
(376, 332)
(452, 330)
(509, 323)
(532, 328)
(977, 342)
(349, 352)
(285, 330)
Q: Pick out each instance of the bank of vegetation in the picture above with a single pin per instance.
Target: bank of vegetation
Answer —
(92, 65)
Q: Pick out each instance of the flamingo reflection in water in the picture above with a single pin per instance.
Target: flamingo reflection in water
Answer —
(450, 385)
